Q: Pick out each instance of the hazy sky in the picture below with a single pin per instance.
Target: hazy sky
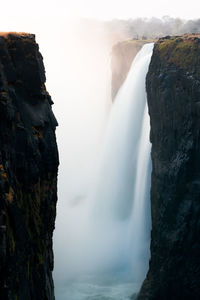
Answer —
(102, 9)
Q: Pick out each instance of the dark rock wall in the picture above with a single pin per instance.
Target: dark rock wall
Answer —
(28, 172)
(173, 89)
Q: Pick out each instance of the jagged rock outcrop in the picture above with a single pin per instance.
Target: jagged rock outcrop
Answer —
(122, 56)
(28, 172)
(173, 89)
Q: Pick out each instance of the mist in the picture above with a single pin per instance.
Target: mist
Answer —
(143, 28)
(85, 96)
(79, 80)
(77, 56)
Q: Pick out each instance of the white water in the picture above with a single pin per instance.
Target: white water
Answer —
(109, 231)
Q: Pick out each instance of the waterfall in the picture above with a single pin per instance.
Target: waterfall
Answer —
(114, 222)
(121, 204)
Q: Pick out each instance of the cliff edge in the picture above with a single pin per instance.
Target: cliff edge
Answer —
(122, 56)
(173, 90)
(28, 172)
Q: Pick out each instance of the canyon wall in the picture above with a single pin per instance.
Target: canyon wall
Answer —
(122, 56)
(28, 172)
(173, 89)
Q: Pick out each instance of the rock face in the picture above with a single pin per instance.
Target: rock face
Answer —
(173, 89)
(123, 54)
(28, 172)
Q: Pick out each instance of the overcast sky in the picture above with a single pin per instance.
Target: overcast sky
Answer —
(102, 9)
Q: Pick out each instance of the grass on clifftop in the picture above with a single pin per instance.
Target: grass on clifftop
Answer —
(182, 51)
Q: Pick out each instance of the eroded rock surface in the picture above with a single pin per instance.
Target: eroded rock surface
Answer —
(173, 89)
(28, 172)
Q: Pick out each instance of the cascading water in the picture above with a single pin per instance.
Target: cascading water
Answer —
(112, 245)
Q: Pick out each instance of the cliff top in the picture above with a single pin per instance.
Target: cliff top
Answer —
(18, 35)
(185, 39)
(182, 51)
(186, 36)
(132, 42)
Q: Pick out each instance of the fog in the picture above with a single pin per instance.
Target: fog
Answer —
(77, 62)
(85, 93)
(80, 85)
(86, 103)
(153, 27)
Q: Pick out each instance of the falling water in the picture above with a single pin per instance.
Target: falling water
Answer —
(121, 206)
(111, 249)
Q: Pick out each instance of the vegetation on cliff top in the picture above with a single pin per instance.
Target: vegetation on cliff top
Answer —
(16, 34)
(182, 51)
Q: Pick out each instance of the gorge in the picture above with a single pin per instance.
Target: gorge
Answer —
(107, 249)
(105, 225)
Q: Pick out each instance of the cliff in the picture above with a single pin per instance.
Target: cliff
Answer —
(122, 56)
(173, 89)
(28, 172)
